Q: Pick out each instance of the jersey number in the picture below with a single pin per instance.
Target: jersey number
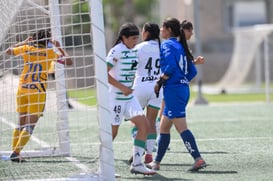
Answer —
(117, 109)
(149, 66)
(34, 70)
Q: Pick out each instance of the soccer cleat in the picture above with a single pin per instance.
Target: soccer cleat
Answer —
(14, 157)
(199, 164)
(130, 161)
(148, 158)
(141, 169)
(154, 165)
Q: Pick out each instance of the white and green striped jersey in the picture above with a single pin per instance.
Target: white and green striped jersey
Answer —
(123, 62)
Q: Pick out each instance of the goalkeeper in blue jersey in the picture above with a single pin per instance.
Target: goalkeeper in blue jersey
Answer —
(178, 70)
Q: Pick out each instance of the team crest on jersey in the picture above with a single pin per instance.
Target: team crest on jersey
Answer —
(117, 118)
(170, 113)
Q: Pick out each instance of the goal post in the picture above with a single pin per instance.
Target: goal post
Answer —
(73, 142)
(62, 118)
(105, 134)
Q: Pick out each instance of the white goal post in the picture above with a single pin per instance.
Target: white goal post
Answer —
(70, 134)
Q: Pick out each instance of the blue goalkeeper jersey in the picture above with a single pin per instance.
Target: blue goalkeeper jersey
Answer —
(174, 64)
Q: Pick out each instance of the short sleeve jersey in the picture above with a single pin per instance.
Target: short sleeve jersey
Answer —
(173, 63)
(148, 68)
(37, 60)
(123, 62)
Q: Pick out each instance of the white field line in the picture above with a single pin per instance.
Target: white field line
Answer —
(44, 144)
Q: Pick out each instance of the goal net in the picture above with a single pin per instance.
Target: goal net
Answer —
(252, 47)
(72, 140)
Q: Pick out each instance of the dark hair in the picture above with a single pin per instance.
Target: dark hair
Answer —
(174, 25)
(187, 25)
(127, 29)
(153, 30)
(42, 36)
(177, 31)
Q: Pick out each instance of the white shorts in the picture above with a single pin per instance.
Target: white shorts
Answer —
(147, 97)
(124, 110)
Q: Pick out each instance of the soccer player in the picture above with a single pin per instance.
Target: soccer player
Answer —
(147, 73)
(31, 93)
(121, 63)
(188, 30)
(178, 70)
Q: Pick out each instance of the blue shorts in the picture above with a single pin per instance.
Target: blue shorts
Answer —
(176, 99)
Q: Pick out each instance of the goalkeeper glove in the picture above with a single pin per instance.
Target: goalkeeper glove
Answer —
(158, 86)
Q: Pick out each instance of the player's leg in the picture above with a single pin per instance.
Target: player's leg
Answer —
(181, 126)
(114, 131)
(28, 123)
(190, 143)
(151, 137)
(163, 142)
(21, 108)
(142, 99)
(18, 129)
(140, 140)
(137, 167)
(27, 120)
(135, 113)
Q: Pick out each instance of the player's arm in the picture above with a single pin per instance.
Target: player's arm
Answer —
(65, 57)
(125, 90)
(10, 51)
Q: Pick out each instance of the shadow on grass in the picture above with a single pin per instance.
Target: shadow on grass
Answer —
(202, 171)
(205, 153)
(216, 172)
(157, 177)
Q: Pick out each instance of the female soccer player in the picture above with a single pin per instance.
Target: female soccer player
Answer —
(122, 62)
(178, 70)
(188, 30)
(31, 93)
(148, 72)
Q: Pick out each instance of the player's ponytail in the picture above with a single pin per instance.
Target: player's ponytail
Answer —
(183, 41)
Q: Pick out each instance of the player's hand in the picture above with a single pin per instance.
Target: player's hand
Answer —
(158, 86)
(126, 91)
(157, 89)
(29, 39)
(55, 43)
(199, 60)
